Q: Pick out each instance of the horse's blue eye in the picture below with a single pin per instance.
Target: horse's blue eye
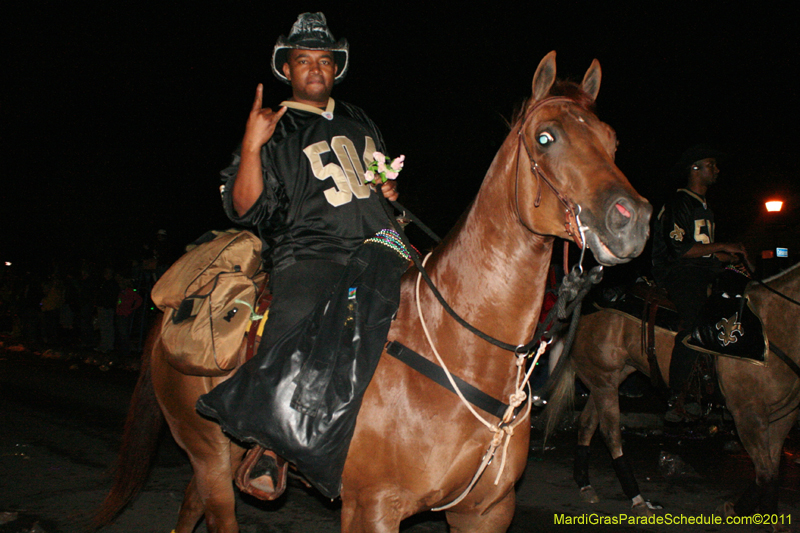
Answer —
(545, 138)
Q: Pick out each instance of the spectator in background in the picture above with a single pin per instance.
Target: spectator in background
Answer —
(51, 304)
(106, 303)
(128, 302)
(85, 299)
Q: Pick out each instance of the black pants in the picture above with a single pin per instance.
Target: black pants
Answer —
(688, 289)
(295, 292)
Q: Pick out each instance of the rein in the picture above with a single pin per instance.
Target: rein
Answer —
(570, 211)
(776, 292)
(570, 296)
(573, 289)
(772, 346)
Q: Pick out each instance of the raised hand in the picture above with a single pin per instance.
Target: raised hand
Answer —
(260, 124)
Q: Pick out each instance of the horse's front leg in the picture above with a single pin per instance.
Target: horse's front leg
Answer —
(607, 404)
(763, 441)
(587, 426)
(496, 519)
(372, 510)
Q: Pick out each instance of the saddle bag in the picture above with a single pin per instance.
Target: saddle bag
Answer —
(207, 297)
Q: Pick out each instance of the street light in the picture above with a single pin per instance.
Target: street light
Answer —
(773, 206)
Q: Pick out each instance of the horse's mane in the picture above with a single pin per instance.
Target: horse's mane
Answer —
(782, 273)
(565, 88)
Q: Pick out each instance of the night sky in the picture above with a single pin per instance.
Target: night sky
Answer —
(116, 117)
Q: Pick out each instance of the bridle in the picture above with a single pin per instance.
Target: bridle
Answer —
(572, 211)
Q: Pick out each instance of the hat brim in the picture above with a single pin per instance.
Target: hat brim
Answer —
(697, 153)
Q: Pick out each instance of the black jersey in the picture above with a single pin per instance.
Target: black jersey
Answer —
(315, 203)
(683, 221)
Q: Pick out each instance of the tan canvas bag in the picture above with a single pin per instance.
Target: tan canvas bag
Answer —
(207, 297)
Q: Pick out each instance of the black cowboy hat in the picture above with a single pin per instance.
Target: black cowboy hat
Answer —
(310, 32)
(694, 154)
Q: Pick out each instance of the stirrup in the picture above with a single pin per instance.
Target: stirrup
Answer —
(268, 485)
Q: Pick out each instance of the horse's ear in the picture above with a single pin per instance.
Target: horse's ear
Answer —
(591, 81)
(544, 77)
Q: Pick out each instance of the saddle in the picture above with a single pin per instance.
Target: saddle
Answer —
(653, 299)
(651, 306)
(730, 327)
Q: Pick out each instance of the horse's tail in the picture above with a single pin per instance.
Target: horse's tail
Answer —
(140, 439)
(562, 394)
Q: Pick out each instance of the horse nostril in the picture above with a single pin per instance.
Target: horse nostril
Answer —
(624, 212)
(621, 216)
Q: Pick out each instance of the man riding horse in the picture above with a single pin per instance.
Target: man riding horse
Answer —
(686, 259)
(297, 178)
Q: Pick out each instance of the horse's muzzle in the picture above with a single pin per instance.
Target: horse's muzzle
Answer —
(622, 232)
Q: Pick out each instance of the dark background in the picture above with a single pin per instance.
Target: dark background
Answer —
(116, 117)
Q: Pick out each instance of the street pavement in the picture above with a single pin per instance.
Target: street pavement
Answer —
(61, 419)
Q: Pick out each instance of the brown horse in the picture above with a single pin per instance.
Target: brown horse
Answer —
(415, 445)
(762, 399)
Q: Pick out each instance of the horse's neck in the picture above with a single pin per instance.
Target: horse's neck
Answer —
(491, 267)
(787, 281)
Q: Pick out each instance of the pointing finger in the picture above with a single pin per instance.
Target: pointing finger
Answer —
(259, 95)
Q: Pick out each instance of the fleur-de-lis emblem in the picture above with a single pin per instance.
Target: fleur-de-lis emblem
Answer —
(677, 233)
(727, 327)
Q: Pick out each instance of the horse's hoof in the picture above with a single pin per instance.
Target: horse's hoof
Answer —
(588, 495)
(725, 510)
(641, 509)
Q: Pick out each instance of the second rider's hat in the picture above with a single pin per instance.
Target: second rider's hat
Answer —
(696, 153)
(310, 32)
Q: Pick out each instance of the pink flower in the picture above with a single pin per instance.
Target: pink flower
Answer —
(397, 164)
(369, 175)
(377, 156)
(382, 165)
(391, 175)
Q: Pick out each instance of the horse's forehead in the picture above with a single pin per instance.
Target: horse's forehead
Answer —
(566, 112)
(571, 115)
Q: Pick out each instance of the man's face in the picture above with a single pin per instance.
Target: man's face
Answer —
(311, 73)
(707, 170)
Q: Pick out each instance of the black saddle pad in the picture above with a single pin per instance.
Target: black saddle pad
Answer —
(729, 327)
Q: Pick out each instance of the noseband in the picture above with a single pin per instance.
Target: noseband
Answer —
(572, 211)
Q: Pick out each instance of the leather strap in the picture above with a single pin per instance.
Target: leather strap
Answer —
(649, 338)
(785, 358)
(434, 372)
(264, 487)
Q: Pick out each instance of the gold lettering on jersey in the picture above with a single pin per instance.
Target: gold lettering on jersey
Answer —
(345, 151)
(728, 327)
(702, 237)
(341, 193)
(677, 233)
(348, 175)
